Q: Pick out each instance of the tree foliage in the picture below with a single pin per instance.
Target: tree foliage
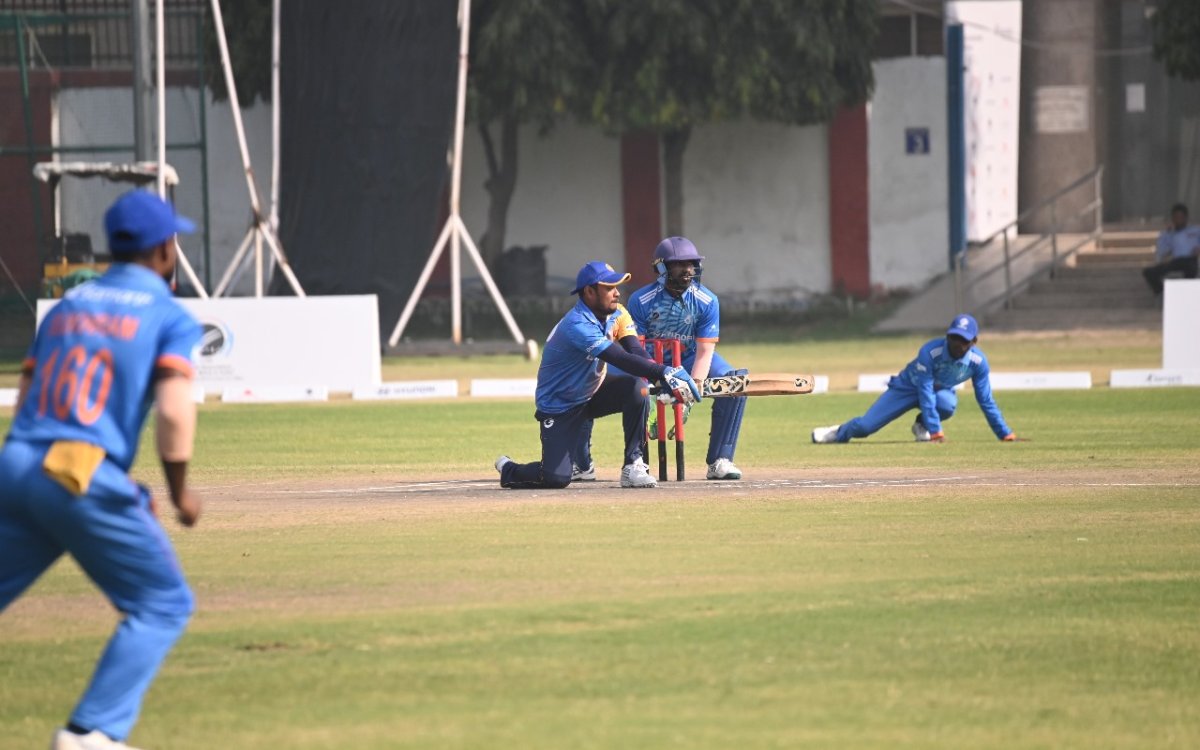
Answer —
(670, 65)
(1176, 26)
(525, 68)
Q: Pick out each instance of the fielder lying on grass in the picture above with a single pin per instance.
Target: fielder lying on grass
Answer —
(928, 384)
(572, 387)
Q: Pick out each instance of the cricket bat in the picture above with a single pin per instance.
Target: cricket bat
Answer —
(758, 384)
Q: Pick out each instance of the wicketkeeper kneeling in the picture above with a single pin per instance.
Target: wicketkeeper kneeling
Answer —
(572, 387)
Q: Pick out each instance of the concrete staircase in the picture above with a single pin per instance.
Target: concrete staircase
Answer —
(1101, 288)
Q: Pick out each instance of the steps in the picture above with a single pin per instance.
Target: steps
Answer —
(1103, 289)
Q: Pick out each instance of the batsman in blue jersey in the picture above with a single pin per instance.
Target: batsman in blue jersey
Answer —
(574, 385)
(927, 384)
(101, 357)
(678, 306)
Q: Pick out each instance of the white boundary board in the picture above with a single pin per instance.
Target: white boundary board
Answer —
(1181, 324)
(407, 390)
(8, 396)
(1153, 378)
(504, 387)
(1040, 381)
(274, 394)
(332, 341)
(878, 383)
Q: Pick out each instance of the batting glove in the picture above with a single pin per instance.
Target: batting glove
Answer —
(679, 382)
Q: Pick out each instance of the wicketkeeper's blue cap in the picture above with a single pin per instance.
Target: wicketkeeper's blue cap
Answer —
(963, 325)
(140, 220)
(598, 272)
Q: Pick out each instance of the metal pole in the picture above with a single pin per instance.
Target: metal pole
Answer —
(30, 160)
(473, 251)
(956, 143)
(235, 106)
(422, 280)
(202, 95)
(1007, 274)
(160, 87)
(276, 106)
(275, 118)
(958, 285)
(1053, 238)
(464, 23)
(455, 231)
(142, 127)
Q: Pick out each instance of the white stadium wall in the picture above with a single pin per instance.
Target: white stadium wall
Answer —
(567, 197)
(756, 195)
(908, 191)
(108, 114)
(756, 203)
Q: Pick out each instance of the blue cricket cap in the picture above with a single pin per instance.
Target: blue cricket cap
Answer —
(963, 325)
(140, 220)
(598, 272)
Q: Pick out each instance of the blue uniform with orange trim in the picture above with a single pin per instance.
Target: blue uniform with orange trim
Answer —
(927, 383)
(574, 387)
(64, 482)
(691, 318)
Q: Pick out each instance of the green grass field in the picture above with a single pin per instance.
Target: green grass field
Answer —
(878, 594)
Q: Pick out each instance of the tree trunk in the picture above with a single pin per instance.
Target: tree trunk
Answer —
(674, 142)
(501, 182)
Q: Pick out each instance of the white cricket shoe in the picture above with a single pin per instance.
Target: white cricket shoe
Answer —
(637, 475)
(94, 740)
(583, 475)
(919, 432)
(825, 434)
(501, 462)
(723, 468)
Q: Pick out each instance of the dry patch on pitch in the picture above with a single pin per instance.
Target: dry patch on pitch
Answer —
(347, 501)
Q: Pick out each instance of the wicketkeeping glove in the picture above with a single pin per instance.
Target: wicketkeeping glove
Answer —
(679, 382)
(687, 409)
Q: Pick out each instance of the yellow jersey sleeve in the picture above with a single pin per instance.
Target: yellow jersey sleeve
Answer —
(624, 325)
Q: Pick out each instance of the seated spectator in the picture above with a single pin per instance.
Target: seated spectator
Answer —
(1176, 250)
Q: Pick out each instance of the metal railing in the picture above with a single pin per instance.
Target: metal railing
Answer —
(1057, 256)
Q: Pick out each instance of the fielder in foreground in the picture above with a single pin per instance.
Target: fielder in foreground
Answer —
(100, 357)
(677, 306)
(572, 387)
(928, 384)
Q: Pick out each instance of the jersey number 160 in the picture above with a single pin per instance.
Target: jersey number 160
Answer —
(71, 386)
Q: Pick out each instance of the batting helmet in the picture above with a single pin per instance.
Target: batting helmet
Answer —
(676, 249)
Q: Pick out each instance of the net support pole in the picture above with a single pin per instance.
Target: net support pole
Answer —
(260, 223)
(455, 231)
(160, 85)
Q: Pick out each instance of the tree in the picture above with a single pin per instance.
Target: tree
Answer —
(1176, 27)
(525, 68)
(670, 65)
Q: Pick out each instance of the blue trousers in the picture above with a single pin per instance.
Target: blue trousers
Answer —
(119, 545)
(561, 433)
(893, 403)
(726, 420)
